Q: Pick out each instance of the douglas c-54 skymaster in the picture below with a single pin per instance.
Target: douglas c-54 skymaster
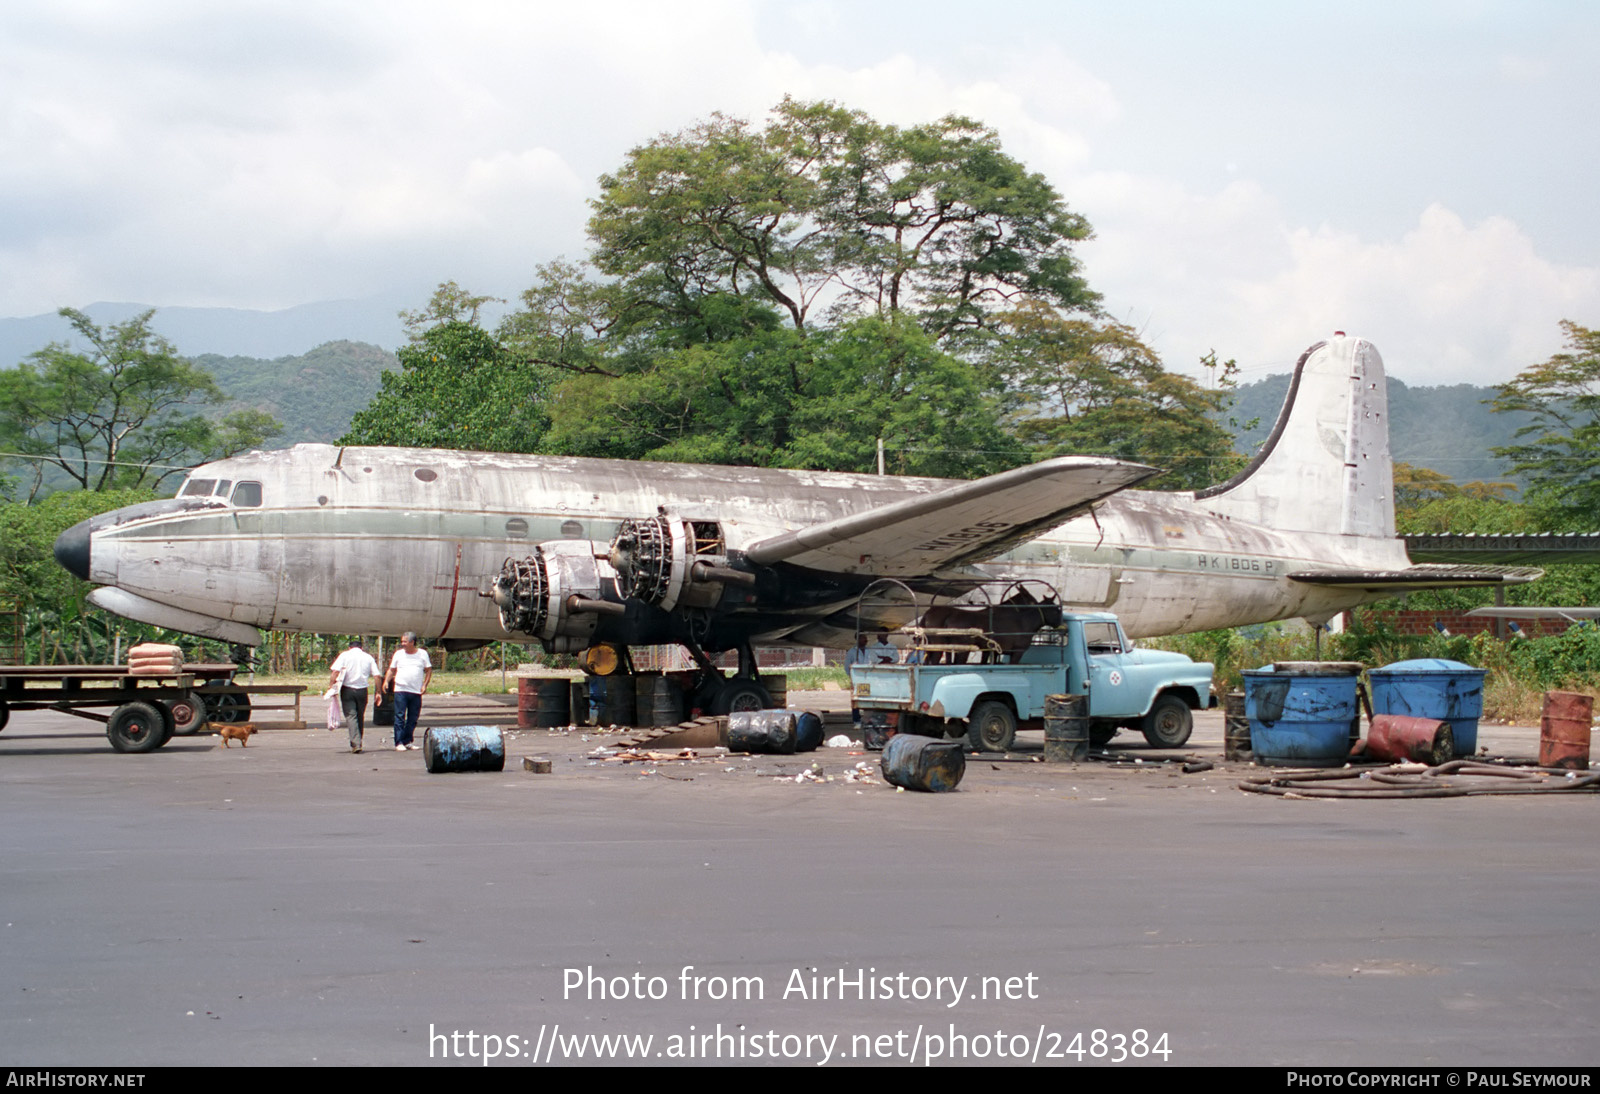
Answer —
(472, 547)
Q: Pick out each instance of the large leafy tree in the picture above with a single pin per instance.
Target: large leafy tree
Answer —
(824, 203)
(1559, 450)
(121, 414)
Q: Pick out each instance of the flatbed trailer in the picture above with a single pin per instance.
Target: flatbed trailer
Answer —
(146, 710)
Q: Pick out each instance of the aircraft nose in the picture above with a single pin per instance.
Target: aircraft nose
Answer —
(72, 549)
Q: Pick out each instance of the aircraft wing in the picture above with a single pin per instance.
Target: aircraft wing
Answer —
(1420, 577)
(964, 523)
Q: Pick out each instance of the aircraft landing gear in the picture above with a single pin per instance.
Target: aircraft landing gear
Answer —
(727, 695)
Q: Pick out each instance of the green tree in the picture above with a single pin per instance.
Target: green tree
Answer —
(933, 221)
(457, 387)
(119, 415)
(1090, 387)
(1559, 450)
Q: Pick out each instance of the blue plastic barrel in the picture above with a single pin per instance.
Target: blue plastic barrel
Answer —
(1302, 714)
(1431, 687)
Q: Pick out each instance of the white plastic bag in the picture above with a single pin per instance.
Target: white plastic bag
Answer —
(335, 713)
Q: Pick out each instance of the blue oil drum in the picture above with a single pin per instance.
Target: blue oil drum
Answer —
(807, 731)
(463, 748)
(1432, 687)
(1302, 714)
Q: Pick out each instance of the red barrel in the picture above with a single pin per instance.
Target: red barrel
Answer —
(543, 701)
(1399, 737)
(1564, 730)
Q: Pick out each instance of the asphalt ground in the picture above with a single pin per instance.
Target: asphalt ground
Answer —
(292, 903)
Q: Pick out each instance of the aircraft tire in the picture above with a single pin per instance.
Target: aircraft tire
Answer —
(739, 695)
(137, 727)
(188, 715)
(992, 728)
(1169, 723)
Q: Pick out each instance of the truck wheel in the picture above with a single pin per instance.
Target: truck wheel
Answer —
(136, 727)
(1100, 734)
(5, 715)
(1169, 723)
(992, 728)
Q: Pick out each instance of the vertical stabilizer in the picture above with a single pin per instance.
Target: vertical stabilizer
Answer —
(1326, 467)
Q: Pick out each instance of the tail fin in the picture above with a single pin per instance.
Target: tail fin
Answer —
(1326, 466)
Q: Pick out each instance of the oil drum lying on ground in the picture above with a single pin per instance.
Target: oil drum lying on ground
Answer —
(1431, 687)
(923, 763)
(762, 731)
(807, 730)
(463, 748)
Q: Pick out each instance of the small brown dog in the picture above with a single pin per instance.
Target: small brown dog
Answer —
(239, 732)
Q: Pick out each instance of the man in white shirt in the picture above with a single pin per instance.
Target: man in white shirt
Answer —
(351, 671)
(410, 671)
(881, 652)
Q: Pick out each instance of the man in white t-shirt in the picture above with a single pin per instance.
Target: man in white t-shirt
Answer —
(410, 671)
(350, 672)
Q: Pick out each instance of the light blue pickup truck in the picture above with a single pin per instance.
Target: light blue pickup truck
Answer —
(1087, 653)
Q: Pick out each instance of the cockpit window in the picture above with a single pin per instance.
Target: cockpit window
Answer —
(197, 488)
(247, 494)
(223, 486)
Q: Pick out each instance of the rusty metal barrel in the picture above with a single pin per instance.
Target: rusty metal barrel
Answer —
(923, 763)
(1235, 728)
(543, 701)
(1399, 738)
(463, 748)
(1066, 729)
(1564, 730)
(658, 700)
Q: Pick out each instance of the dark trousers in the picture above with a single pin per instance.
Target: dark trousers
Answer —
(407, 705)
(353, 702)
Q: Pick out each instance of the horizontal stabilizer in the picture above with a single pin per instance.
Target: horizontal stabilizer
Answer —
(965, 523)
(1571, 615)
(1420, 577)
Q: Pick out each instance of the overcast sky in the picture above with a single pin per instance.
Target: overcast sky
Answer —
(1257, 174)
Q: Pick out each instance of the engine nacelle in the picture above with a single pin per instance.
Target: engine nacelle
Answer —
(558, 593)
(671, 563)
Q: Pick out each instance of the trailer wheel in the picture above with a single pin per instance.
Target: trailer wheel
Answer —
(136, 727)
(228, 707)
(1169, 723)
(188, 715)
(992, 728)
